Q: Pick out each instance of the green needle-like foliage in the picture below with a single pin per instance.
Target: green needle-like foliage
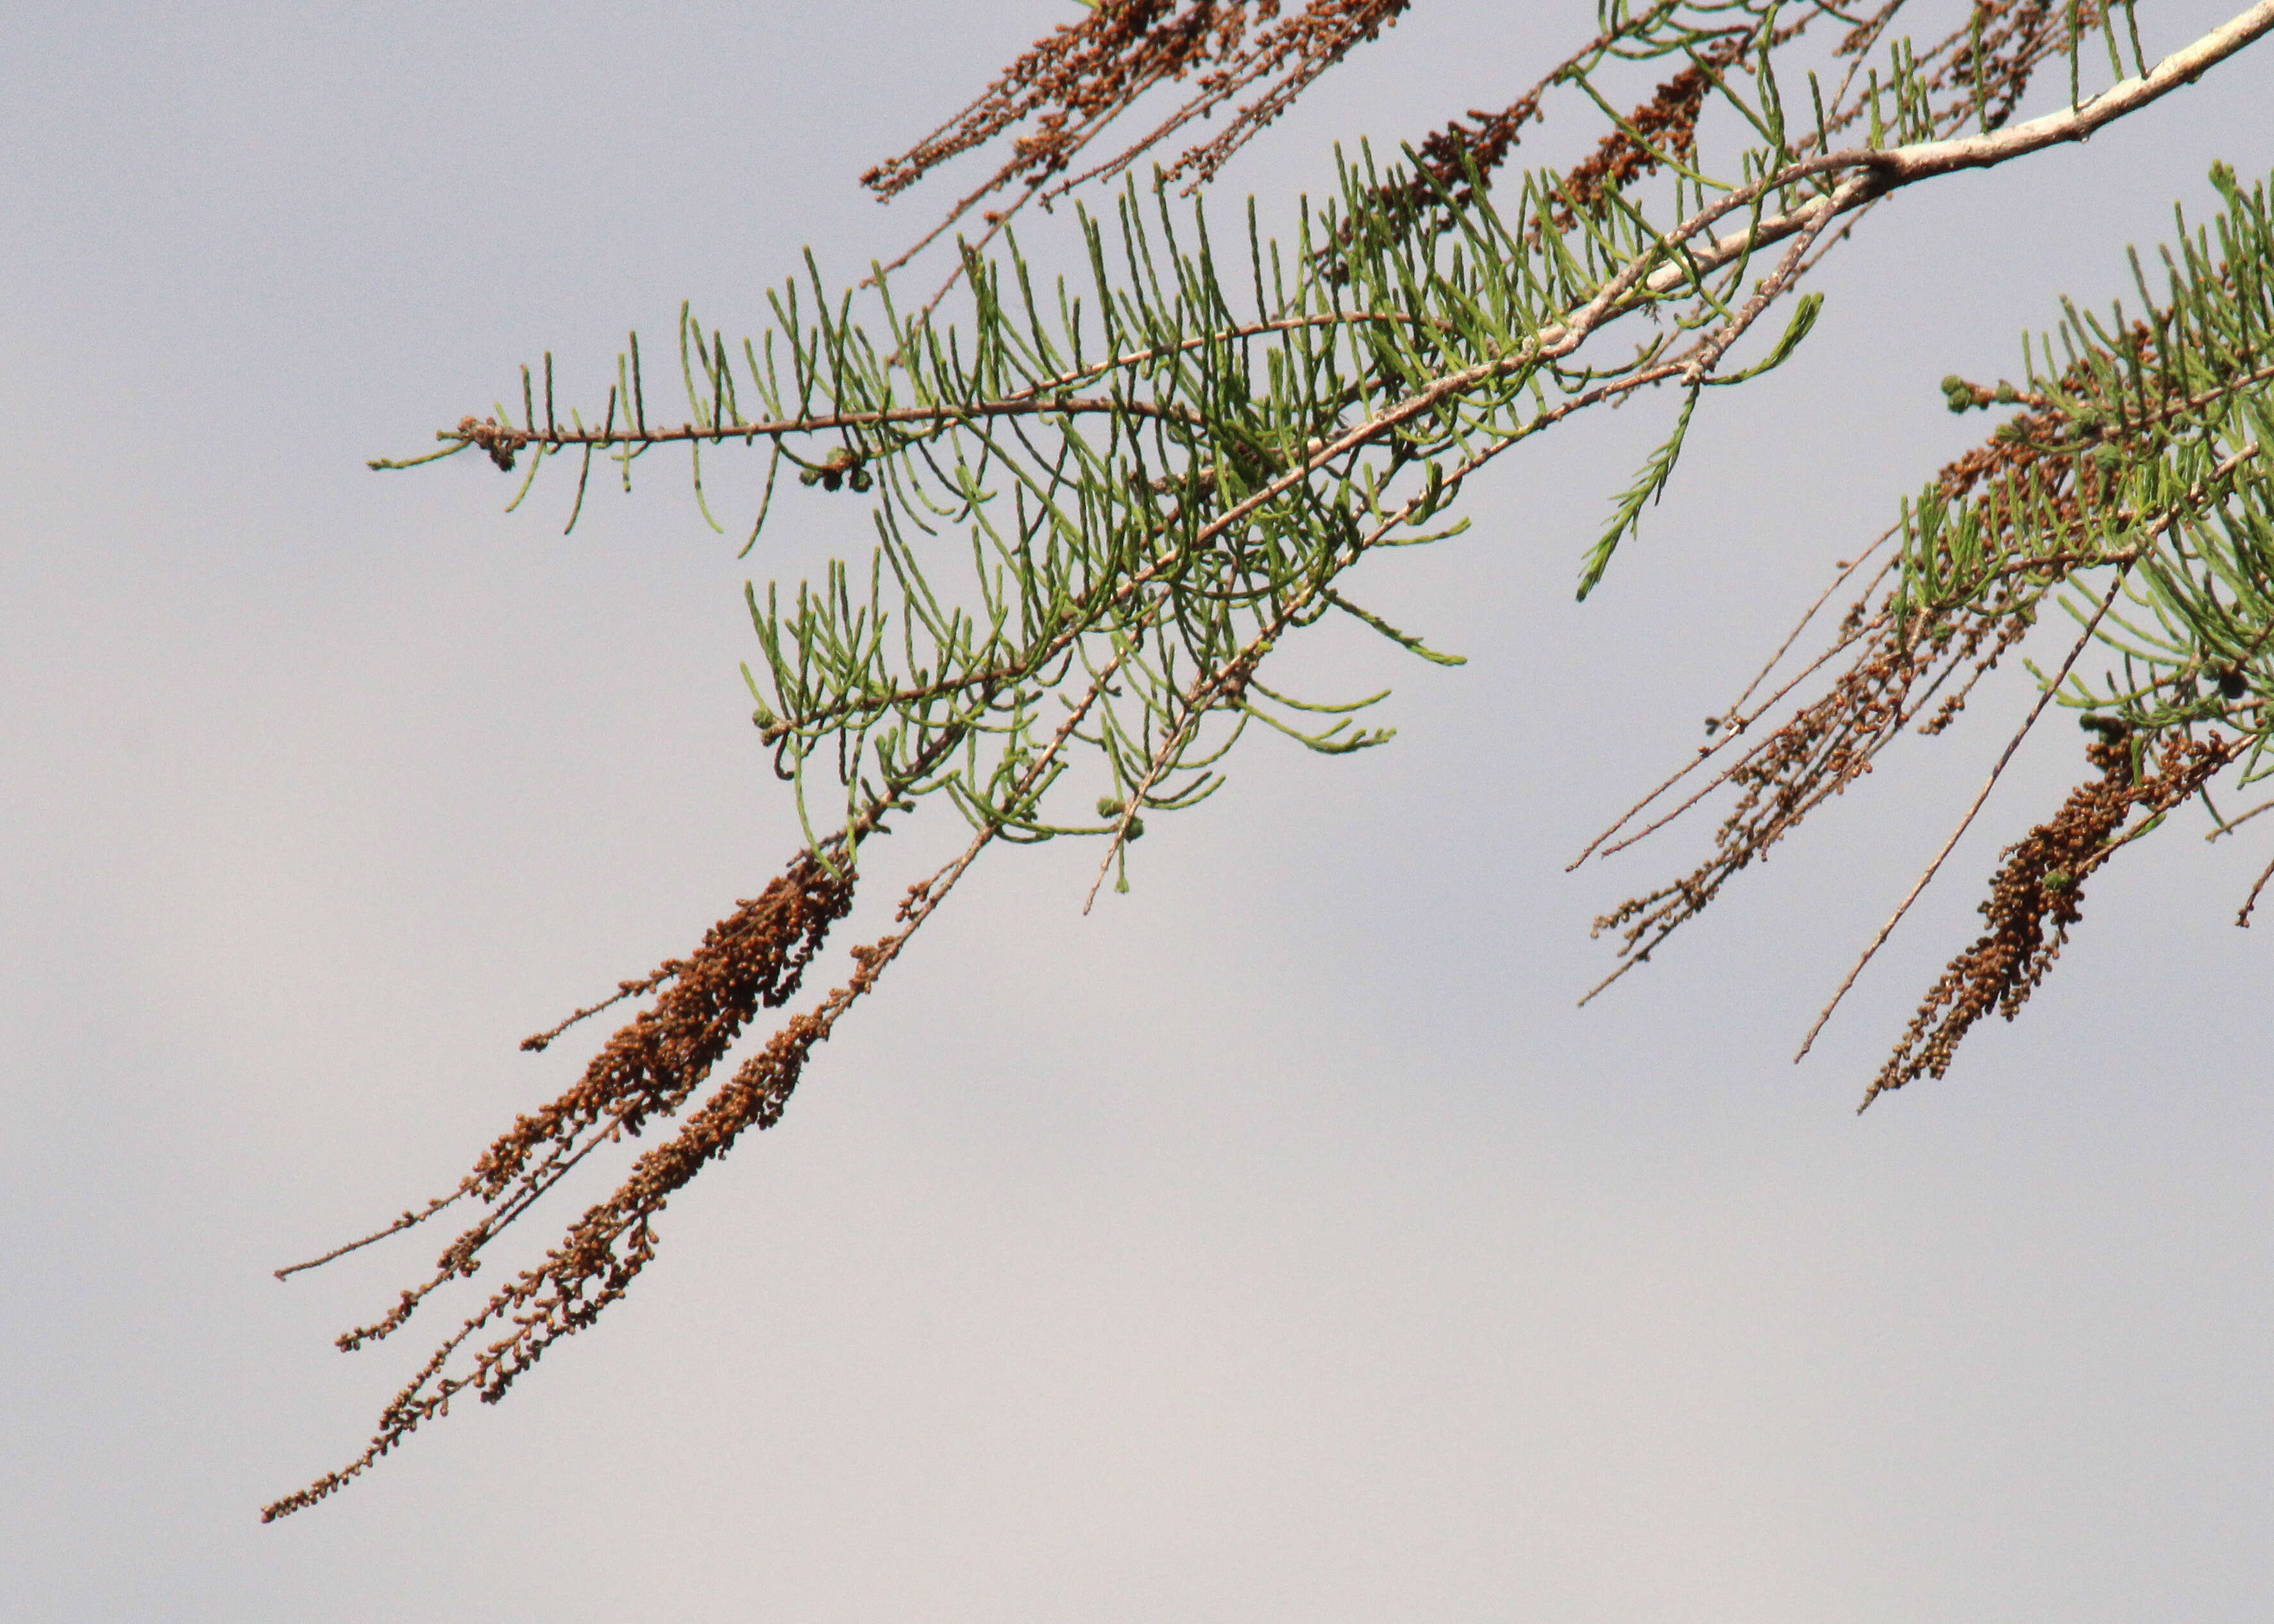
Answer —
(1155, 475)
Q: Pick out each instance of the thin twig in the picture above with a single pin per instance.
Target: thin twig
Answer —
(408, 1220)
(2243, 918)
(2233, 823)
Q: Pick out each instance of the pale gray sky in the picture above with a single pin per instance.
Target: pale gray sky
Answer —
(1277, 1244)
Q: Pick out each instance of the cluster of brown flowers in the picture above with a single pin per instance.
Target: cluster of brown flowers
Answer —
(1662, 127)
(1983, 69)
(1064, 92)
(753, 959)
(1825, 747)
(1459, 157)
(2038, 893)
(501, 441)
(1980, 73)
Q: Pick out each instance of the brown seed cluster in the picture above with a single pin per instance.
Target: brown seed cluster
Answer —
(1451, 155)
(1664, 126)
(1986, 65)
(2038, 893)
(753, 958)
(501, 441)
(1458, 158)
(1063, 93)
(1983, 69)
(1826, 746)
